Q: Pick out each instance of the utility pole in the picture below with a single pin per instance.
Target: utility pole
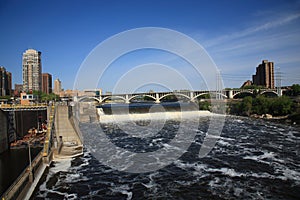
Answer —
(278, 81)
(218, 86)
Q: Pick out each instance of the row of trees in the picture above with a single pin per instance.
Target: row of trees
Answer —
(44, 97)
(262, 105)
(294, 91)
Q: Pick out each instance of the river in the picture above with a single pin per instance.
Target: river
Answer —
(252, 159)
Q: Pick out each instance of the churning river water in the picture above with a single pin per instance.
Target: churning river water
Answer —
(252, 159)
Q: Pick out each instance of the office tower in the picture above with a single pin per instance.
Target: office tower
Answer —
(57, 86)
(47, 83)
(264, 75)
(5, 82)
(32, 70)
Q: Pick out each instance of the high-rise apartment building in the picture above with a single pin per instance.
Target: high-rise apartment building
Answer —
(47, 83)
(5, 82)
(57, 86)
(32, 70)
(264, 75)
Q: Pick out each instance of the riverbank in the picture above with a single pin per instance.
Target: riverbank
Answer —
(287, 119)
(282, 109)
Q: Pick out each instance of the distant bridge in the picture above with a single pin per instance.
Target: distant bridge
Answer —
(189, 95)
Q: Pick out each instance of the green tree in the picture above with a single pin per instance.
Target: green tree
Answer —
(43, 97)
(204, 105)
(295, 89)
(261, 105)
(246, 106)
(281, 106)
(204, 96)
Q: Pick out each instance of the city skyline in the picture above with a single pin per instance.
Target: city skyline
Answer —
(237, 35)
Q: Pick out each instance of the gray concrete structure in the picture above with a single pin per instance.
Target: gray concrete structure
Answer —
(3, 132)
(69, 136)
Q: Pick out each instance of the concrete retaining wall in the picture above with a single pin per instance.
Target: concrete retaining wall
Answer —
(3, 132)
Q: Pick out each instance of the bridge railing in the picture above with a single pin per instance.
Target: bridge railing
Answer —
(23, 106)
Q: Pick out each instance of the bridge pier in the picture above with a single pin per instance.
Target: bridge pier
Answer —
(157, 98)
(230, 94)
(192, 96)
(279, 91)
(127, 99)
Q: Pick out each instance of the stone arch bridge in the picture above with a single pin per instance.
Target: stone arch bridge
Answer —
(189, 95)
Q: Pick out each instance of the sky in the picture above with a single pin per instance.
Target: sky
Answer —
(236, 34)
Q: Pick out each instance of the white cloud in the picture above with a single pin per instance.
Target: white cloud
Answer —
(239, 52)
(252, 30)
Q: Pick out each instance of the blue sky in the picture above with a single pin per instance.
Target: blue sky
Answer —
(237, 34)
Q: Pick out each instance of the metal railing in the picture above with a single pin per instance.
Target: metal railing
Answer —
(23, 106)
(16, 107)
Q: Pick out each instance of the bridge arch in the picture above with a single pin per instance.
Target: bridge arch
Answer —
(269, 92)
(174, 94)
(202, 94)
(143, 95)
(249, 93)
(205, 93)
(88, 97)
(113, 97)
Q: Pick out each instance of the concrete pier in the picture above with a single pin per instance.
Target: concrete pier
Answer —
(69, 142)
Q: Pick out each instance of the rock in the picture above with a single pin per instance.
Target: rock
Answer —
(267, 116)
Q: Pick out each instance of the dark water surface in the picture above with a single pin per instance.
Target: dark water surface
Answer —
(253, 159)
(12, 163)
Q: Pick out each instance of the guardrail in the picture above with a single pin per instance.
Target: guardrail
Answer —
(23, 106)
(19, 107)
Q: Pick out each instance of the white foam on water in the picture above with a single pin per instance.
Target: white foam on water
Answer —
(238, 121)
(288, 174)
(74, 178)
(223, 143)
(152, 116)
(265, 155)
(54, 192)
(71, 196)
(124, 189)
(152, 185)
(62, 165)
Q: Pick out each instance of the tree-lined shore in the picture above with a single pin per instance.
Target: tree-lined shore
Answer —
(284, 107)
